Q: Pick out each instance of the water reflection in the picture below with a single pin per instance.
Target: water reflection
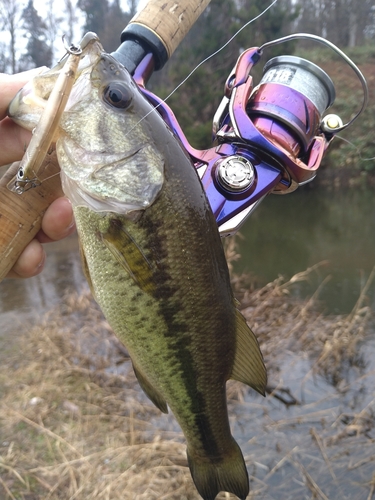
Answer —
(288, 234)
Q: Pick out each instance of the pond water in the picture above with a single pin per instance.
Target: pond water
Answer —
(287, 234)
(22, 302)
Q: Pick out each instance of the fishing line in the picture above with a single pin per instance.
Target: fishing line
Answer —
(359, 151)
(221, 48)
(49, 177)
(204, 61)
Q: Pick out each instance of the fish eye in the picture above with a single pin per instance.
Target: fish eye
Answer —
(117, 95)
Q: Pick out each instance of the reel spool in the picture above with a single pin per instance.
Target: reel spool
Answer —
(288, 104)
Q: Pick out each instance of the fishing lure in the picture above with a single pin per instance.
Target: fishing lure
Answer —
(44, 132)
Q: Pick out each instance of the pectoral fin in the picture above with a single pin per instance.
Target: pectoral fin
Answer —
(248, 364)
(85, 268)
(129, 255)
(150, 392)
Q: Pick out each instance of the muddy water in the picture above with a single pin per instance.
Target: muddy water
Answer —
(323, 447)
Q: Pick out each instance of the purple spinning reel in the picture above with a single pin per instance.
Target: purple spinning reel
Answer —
(268, 138)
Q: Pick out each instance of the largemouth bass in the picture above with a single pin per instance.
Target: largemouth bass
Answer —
(153, 258)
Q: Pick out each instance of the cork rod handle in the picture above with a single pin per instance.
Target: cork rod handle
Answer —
(21, 215)
(170, 20)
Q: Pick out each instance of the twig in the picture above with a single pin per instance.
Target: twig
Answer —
(45, 431)
(311, 484)
(372, 488)
(316, 436)
(7, 489)
(361, 462)
(280, 463)
(13, 471)
(303, 275)
(361, 297)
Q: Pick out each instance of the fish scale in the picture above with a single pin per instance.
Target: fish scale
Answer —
(153, 257)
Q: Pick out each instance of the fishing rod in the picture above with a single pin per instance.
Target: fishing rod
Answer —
(152, 35)
(268, 138)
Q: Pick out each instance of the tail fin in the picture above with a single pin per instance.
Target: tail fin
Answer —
(228, 474)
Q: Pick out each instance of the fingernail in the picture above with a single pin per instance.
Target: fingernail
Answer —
(41, 263)
(72, 224)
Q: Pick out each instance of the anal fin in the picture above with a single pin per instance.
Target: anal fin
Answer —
(248, 365)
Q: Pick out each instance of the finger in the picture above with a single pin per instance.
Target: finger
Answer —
(30, 262)
(13, 141)
(58, 221)
(11, 84)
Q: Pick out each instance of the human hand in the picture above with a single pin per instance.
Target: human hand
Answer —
(58, 220)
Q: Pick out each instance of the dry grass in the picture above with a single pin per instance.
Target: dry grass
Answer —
(331, 342)
(75, 425)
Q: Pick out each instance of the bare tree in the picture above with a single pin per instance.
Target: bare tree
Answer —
(343, 22)
(38, 52)
(369, 30)
(4, 59)
(132, 6)
(53, 24)
(71, 18)
(116, 20)
(10, 12)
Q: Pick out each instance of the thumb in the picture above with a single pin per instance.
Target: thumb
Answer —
(13, 139)
(11, 84)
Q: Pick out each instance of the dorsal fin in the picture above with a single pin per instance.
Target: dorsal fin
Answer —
(248, 365)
